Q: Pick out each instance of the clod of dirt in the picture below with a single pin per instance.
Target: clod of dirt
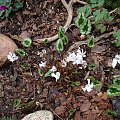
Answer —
(6, 45)
(39, 115)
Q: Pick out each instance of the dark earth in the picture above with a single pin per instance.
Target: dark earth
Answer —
(20, 80)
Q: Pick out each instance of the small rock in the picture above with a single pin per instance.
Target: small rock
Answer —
(116, 106)
(39, 115)
(60, 110)
(6, 45)
(85, 106)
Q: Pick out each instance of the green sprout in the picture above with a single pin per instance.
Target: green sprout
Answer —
(91, 42)
(20, 52)
(26, 42)
(110, 113)
(92, 66)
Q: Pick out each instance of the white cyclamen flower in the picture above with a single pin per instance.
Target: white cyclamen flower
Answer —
(88, 87)
(53, 69)
(56, 75)
(116, 60)
(42, 64)
(76, 58)
(12, 57)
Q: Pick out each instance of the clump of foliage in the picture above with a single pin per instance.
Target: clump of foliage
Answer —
(9, 6)
(110, 113)
(114, 89)
(62, 39)
(8, 118)
(84, 21)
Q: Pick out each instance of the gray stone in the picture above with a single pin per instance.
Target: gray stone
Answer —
(39, 115)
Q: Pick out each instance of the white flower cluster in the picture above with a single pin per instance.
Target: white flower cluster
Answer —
(116, 60)
(75, 57)
(55, 74)
(88, 87)
(12, 57)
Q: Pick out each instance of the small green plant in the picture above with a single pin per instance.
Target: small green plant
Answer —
(20, 52)
(96, 83)
(62, 39)
(10, 6)
(26, 42)
(116, 34)
(92, 66)
(25, 66)
(110, 113)
(95, 9)
(40, 72)
(91, 42)
(16, 103)
(114, 89)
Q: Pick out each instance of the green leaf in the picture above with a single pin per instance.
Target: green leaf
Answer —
(80, 19)
(61, 32)
(116, 80)
(16, 103)
(110, 113)
(26, 42)
(17, 5)
(20, 52)
(65, 40)
(116, 34)
(85, 9)
(59, 45)
(86, 28)
(25, 66)
(48, 74)
(40, 72)
(114, 90)
(91, 42)
(101, 27)
(98, 16)
(92, 66)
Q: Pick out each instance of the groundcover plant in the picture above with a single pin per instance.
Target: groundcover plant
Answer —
(67, 59)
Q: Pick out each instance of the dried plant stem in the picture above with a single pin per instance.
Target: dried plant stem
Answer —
(69, 9)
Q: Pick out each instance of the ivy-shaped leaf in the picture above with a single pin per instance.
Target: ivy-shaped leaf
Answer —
(86, 28)
(61, 32)
(59, 45)
(20, 52)
(116, 80)
(92, 66)
(114, 90)
(65, 40)
(40, 72)
(80, 19)
(116, 34)
(26, 42)
(48, 74)
(85, 9)
(16, 103)
(101, 27)
(91, 42)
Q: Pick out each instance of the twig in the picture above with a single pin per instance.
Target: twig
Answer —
(69, 20)
(77, 44)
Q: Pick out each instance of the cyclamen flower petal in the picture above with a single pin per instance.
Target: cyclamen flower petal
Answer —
(116, 60)
(56, 75)
(42, 64)
(53, 69)
(88, 87)
(2, 7)
(12, 57)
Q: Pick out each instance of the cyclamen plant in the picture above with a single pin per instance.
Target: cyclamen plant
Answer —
(8, 6)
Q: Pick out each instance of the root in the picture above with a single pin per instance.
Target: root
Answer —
(77, 44)
(69, 20)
